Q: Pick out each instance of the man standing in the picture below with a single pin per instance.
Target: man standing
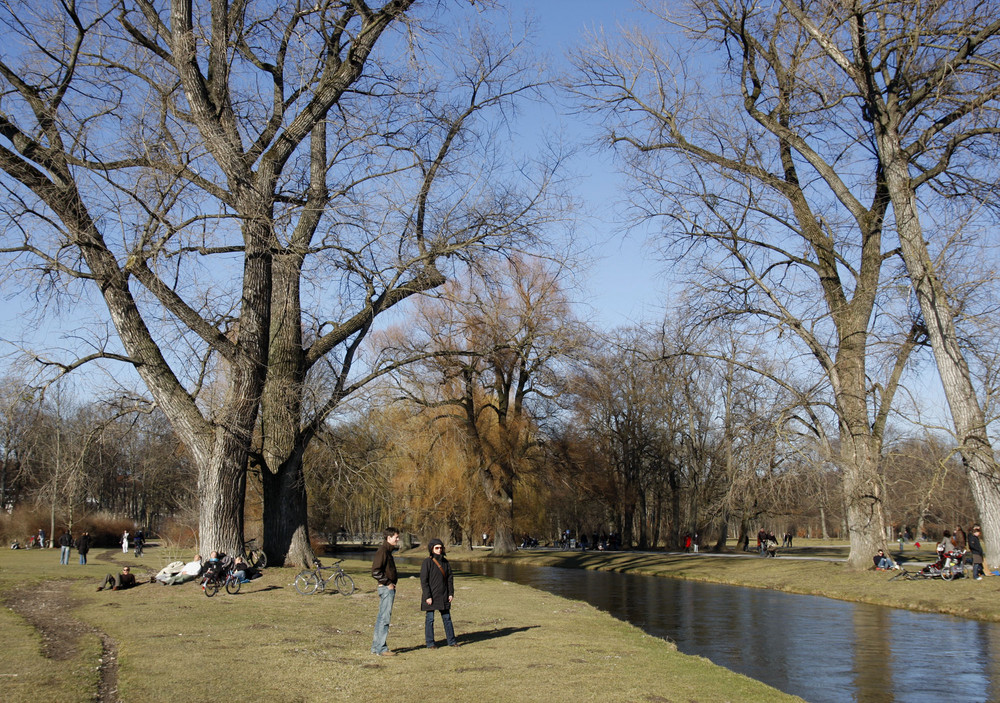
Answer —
(976, 547)
(65, 542)
(384, 571)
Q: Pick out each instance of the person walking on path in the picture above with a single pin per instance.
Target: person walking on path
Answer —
(437, 590)
(384, 572)
(65, 543)
(125, 542)
(976, 547)
(83, 546)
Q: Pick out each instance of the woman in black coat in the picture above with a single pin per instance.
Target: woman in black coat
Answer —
(83, 546)
(437, 586)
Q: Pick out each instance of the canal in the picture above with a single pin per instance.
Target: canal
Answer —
(817, 648)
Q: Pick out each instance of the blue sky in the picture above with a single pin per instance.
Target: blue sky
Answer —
(626, 282)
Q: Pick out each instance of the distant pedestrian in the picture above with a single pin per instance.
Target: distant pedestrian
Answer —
(437, 590)
(41, 539)
(976, 547)
(384, 572)
(65, 543)
(958, 537)
(83, 546)
(125, 542)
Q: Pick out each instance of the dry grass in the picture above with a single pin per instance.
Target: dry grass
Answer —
(270, 643)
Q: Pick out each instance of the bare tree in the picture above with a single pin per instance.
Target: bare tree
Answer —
(137, 138)
(435, 195)
(497, 343)
(756, 181)
(924, 78)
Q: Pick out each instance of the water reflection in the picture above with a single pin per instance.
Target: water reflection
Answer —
(816, 648)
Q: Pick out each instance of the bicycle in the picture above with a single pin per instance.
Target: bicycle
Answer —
(255, 556)
(215, 580)
(138, 548)
(311, 581)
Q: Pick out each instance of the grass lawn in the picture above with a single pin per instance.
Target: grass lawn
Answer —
(156, 643)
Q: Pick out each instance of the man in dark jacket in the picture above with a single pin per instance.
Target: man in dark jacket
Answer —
(976, 547)
(118, 582)
(384, 571)
(437, 590)
(65, 543)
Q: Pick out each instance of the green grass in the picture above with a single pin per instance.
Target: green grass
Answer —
(270, 643)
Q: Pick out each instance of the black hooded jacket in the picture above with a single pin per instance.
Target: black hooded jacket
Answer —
(436, 580)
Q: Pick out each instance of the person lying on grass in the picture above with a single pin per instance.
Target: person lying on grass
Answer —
(171, 576)
(118, 582)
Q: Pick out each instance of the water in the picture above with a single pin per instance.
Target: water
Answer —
(817, 648)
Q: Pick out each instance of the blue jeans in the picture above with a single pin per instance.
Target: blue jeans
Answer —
(386, 596)
(83, 558)
(449, 631)
(64, 555)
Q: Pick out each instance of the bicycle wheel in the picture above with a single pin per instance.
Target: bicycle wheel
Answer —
(306, 583)
(344, 584)
(258, 559)
(233, 585)
(212, 587)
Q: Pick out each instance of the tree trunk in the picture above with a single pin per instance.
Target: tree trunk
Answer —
(286, 528)
(503, 522)
(967, 414)
(286, 531)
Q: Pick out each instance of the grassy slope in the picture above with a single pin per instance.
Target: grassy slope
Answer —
(269, 643)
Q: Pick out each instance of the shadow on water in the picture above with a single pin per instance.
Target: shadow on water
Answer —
(817, 648)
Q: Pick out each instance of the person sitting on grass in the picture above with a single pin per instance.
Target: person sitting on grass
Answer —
(883, 562)
(242, 570)
(118, 582)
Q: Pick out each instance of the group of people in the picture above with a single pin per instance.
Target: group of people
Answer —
(82, 544)
(67, 542)
(437, 591)
(178, 572)
(957, 542)
(954, 544)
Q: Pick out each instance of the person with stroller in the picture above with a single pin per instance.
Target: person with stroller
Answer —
(437, 590)
(976, 547)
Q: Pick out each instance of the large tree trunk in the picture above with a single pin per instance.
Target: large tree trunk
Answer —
(502, 501)
(286, 529)
(967, 414)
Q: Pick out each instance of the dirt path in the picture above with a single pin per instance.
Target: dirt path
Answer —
(48, 606)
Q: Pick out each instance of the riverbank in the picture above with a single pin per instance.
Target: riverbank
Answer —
(811, 572)
(65, 641)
